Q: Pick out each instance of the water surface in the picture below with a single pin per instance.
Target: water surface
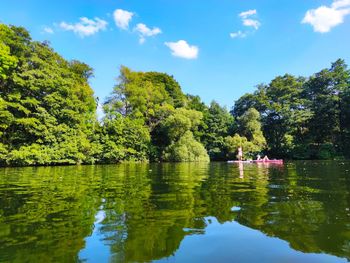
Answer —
(218, 212)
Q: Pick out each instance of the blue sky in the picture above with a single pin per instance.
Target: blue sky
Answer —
(218, 49)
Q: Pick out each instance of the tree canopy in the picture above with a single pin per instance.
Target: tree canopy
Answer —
(304, 118)
(47, 108)
(48, 114)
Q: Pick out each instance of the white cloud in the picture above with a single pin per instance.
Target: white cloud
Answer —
(324, 18)
(145, 31)
(252, 23)
(238, 34)
(248, 22)
(48, 30)
(182, 49)
(122, 18)
(341, 3)
(86, 27)
(245, 14)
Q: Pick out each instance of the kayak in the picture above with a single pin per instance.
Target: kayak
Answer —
(276, 161)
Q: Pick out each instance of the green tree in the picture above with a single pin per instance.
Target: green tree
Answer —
(250, 127)
(186, 149)
(124, 139)
(218, 123)
(327, 92)
(250, 136)
(7, 62)
(156, 100)
(284, 113)
(47, 108)
(180, 144)
(148, 95)
(233, 142)
(304, 117)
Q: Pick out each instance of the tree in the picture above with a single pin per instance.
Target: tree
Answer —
(148, 95)
(47, 108)
(284, 114)
(172, 87)
(156, 100)
(180, 144)
(327, 94)
(218, 123)
(186, 149)
(124, 139)
(256, 100)
(233, 142)
(304, 117)
(250, 127)
(7, 62)
(48, 114)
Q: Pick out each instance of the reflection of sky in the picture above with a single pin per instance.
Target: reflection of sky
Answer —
(232, 242)
(95, 250)
(228, 242)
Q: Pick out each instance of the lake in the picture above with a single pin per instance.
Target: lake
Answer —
(217, 212)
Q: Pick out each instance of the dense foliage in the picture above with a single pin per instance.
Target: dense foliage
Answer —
(47, 108)
(304, 118)
(155, 100)
(48, 114)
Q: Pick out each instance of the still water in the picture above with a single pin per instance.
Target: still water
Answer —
(218, 212)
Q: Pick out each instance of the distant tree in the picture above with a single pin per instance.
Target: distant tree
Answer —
(250, 127)
(148, 95)
(250, 136)
(233, 142)
(304, 117)
(186, 149)
(124, 139)
(178, 128)
(218, 123)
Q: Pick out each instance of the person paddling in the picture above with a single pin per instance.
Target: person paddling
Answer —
(258, 158)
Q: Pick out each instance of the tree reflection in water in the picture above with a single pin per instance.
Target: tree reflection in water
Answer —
(144, 211)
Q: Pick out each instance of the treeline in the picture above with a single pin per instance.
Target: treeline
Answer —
(304, 118)
(48, 114)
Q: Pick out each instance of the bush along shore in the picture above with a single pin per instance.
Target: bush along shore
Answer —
(48, 114)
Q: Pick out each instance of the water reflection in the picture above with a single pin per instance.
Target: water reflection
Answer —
(140, 212)
(241, 170)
